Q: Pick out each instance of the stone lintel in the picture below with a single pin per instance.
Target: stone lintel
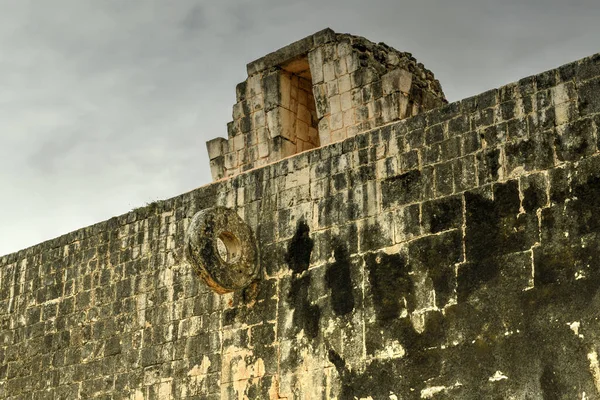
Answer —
(290, 51)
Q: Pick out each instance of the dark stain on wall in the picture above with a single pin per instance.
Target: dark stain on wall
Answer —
(552, 387)
(436, 256)
(382, 377)
(390, 283)
(401, 189)
(300, 249)
(306, 315)
(339, 281)
(442, 214)
(500, 316)
(494, 228)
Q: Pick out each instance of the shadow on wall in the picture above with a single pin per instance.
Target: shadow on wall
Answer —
(508, 314)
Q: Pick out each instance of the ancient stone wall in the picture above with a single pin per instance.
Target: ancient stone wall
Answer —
(453, 254)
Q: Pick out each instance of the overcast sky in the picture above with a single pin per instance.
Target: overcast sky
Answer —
(105, 105)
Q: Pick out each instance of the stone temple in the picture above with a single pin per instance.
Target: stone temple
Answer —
(362, 239)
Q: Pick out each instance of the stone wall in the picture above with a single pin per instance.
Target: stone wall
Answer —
(453, 254)
(351, 85)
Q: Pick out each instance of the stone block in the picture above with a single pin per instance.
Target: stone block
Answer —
(344, 83)
(231, 160)
(340, 67)
(238, 143)
(285, 88)
(301, 131)
(348, 118)
(271, 90)
(530, 155)
(216, 148)
(589, 97)
(328, 71)
(403, 189)
(397, 80)
(563, 93)
(336, 121)
(281, 122)
(575, 140)
(346, 101)
(315, 60)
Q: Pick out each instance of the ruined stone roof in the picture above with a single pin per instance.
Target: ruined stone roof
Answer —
(318, 90)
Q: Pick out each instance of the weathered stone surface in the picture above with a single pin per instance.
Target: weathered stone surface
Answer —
(320, 90)
(453, 254)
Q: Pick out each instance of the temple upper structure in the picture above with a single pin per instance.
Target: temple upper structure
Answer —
(322, 89)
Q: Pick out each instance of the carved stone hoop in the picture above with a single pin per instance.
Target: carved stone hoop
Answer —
(221, 248)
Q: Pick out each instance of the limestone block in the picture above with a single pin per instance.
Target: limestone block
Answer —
(216, 147)
(321, 100)
(217, 167)
(262, 161)
(263, 149)
(280, 147)
(302, 97)
(338, 135)
(346, 101)
(337, 121)
(325, 138)
(262, 135)
(231, 160)
(348, 118)
(361, 114)
(285, 86)
(344, 49)
(328, 71)
(563, 93)
(241, 91)
(352, 131)
(281, 122)
(252, 154)
(403, 111)
(256, 102)
(307, 146)
(344, 83)
(304, 114)
(335, 104)
(271, 90)
(304, 84)
(301, 130)
(259, 119)
(389, 110)
(564, 112)
(315, 61)
(352, 63)
(332, 88)
(293, 105)
(238, 111)
(238, 142)
(340, 67)
(253, 85)
(397, 80)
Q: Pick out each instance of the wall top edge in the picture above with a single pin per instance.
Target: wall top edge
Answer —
(545, 80)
